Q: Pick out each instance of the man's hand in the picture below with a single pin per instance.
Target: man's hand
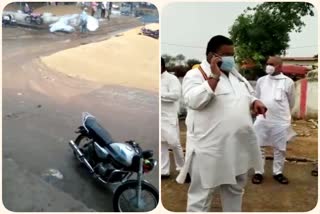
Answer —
(259, 108)
(214, 65)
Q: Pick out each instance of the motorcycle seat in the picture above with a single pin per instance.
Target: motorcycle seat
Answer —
(98, 133)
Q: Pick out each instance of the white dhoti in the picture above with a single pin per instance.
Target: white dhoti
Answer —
(275, 135)
(170, 139)
(200, 199)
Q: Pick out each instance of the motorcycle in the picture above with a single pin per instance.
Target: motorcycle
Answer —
(34, 18)
(109, 161)
(8, 20)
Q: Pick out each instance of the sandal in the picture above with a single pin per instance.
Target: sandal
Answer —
(314, 172)
(257, 179)
(188, 179)
(281, 179)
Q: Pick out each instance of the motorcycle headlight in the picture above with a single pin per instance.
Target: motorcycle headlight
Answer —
(148, 165)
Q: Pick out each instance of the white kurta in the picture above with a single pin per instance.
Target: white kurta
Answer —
(219, 128)
(170, 133)
(278, 94)
(170, 95)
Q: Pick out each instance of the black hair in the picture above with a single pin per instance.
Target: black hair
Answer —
(163, 63)
(216, 42)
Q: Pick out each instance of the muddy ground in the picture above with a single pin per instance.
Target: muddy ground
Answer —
(42, 109)
(299, 196)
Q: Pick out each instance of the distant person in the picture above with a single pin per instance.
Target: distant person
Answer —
(103, 9)
(99, 10)
(94, 7)
(109, 10)
(83, 20)
(277, 92)
(26, 9)
(221, 143)
(170, 133)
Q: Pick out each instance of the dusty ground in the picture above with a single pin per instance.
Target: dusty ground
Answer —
(59, 9)
(55, 10)
(304, 146)
(299, 196)
(41, 110)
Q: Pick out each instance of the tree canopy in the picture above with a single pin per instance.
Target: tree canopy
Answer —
(179, 64)
(264, 30)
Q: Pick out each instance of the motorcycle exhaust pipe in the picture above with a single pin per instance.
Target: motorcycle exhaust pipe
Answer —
(75, 148)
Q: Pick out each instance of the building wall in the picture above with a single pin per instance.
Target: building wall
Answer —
(311, 101)
(307, 108)
(305, 63)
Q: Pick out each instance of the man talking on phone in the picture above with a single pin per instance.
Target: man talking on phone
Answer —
(221, 142)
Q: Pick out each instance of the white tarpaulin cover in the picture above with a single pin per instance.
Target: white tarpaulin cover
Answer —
(92, 23)
(69, 22)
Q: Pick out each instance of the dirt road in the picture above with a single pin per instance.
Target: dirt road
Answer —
(299, 196)
(42, 108)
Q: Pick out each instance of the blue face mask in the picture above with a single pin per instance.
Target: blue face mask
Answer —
(228, 63)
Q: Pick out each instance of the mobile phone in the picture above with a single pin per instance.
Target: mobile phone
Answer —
(220, 62)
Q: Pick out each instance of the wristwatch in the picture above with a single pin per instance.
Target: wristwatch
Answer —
(214, 76)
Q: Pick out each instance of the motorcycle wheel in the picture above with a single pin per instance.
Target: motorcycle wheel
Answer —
(39, 20)
(28, 19)
(124, 198)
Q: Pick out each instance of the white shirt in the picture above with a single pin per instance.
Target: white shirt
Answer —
(278, 94)
(219, 128)
(170, 95)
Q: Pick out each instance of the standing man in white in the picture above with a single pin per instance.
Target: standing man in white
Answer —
(170, 134)
(277, 92)
(221, 143)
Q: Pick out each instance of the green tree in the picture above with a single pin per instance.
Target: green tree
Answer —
(169, 60)
(264, 30)
(179, 65)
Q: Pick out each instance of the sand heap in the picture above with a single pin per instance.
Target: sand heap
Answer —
(129, 60)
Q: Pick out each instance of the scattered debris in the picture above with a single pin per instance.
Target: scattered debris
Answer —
(52, 176)
(13, 115)
(54, 173)
(314, 172)
(151, 30)
(315, 123)
(39, 106)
